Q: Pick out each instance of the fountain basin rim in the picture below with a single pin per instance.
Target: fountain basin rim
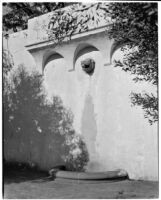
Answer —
(106, 175)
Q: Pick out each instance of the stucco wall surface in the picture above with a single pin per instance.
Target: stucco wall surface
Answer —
(117, 135)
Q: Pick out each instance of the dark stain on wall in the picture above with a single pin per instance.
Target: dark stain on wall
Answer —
(89, 128)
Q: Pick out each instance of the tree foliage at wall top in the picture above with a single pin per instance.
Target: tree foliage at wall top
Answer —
(16, 15)
(75, 19)
(133, 24)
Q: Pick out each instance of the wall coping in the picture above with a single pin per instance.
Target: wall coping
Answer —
(46, 43)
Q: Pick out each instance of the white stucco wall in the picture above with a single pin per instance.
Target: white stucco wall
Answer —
(117, 135)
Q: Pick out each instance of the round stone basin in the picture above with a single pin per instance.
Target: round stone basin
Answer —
(107, 175)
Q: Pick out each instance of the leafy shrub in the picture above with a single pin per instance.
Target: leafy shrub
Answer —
(28, 114)
(78, 156)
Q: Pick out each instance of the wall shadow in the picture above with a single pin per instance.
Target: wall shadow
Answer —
(89, 127)
(15, 173)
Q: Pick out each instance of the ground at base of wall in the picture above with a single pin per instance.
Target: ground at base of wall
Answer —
(37, 186)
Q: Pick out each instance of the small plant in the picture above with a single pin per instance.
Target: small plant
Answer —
(78, 157)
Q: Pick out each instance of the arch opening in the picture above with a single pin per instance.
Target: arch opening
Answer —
(118, 45)
(82, 49)
(49, 56)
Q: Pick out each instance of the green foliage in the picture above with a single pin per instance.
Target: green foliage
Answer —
(78, 158)
(75, 19)
(149, 104)
(16, 15)
(7, 62)
(28, 114)
(135, 24)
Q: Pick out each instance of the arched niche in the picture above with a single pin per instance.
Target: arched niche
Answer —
(117, 45)
(81, 50)
(49, 56)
